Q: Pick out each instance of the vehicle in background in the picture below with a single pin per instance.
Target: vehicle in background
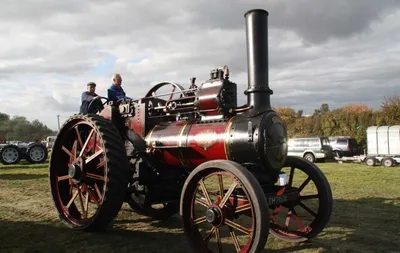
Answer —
(344, 146)
(50, 141)
(310, 148)
(383, 147)
(13, 151)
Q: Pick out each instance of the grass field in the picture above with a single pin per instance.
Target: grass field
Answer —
(365, 218)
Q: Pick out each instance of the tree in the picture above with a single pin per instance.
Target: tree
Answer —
(4, 117)
(391, 111)
(19, 128)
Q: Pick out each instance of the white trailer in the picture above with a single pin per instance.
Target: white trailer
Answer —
(383, 147)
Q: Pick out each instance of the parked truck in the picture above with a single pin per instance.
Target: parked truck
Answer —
(383, 147)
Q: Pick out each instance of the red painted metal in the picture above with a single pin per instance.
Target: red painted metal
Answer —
(136, 123)
(106, 112)
(189, 144)
(208, 100)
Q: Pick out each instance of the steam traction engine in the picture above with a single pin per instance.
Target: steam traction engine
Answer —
(193, 151)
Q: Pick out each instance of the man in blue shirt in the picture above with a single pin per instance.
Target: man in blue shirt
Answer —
(115, 92)
(87, 97)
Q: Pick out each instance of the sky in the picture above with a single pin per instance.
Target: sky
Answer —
(336, 52)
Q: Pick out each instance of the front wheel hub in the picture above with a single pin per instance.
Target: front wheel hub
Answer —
(75, 173)
(214, 216)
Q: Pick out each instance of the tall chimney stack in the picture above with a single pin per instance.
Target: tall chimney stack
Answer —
(258, 92)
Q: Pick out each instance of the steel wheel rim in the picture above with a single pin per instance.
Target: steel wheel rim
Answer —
(75, 188)
(10, 155)
(37, 154)
(225, 221)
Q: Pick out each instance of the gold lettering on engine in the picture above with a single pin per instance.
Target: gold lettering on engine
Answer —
(206, 138)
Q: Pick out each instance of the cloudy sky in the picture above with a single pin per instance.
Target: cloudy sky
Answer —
(321, 51)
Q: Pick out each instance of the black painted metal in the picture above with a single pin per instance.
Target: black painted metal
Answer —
(258, 92)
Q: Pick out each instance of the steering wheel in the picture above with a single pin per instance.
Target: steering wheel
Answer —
(94, 105)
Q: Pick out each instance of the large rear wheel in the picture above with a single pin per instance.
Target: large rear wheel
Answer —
(89, 172)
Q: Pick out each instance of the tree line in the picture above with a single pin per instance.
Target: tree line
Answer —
(350, 120)
(20, 129)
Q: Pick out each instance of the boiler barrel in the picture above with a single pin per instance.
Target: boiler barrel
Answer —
(187, 144)
(241, 139)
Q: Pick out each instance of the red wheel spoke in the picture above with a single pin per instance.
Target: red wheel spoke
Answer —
(72, 156)
(304, 183)
(97, 190)
(86, 206)
(71, 186)
(201, 202)
(72, 199)
(96, 200)
(218, 237)
(234, 238)
(238, 227)
(208, 237)
(228, 193)
(204, 189)
(62, 178)
(199, 220)
(98, 166)
(221, 185)
(79, 136)
(308, 209)
(298, 221)
(81, 200)
(243, 208)
(276, 211)
(86, 142)
(90, 158)
(94, 176)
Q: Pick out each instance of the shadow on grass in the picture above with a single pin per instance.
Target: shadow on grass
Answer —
(21, 176)
(33, 237)
(362, 225)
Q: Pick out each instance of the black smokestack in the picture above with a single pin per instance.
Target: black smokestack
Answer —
(258, 92)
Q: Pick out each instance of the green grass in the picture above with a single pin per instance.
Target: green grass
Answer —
(365, 218)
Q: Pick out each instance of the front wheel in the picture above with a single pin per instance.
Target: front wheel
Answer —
(10, 154)
(224, 209)
(306, 215)
(89, 172)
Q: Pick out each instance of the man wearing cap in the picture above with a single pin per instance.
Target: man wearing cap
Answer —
(115, 92)
(87, 97)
